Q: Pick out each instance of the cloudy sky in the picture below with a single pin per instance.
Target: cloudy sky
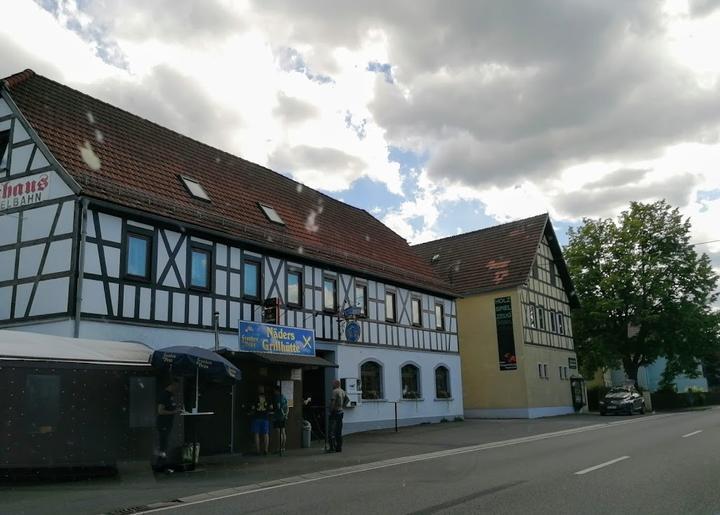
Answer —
(437, 117)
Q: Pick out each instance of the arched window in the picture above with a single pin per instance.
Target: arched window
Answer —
(410, 375)
(442, 382)
(371, 379)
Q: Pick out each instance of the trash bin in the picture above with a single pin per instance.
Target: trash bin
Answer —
(306, 433)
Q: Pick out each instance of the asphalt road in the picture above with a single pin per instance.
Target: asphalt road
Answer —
(656, 464)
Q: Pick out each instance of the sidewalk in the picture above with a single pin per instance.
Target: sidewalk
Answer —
(136, 485)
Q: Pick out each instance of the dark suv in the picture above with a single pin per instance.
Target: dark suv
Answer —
(622, 399)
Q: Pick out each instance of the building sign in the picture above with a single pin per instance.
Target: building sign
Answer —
(352, 331)
(24, 192)
(505, 336)
(572, 362)
(277, 339)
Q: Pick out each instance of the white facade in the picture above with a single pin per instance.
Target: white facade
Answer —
(40, 249)
(37, 221)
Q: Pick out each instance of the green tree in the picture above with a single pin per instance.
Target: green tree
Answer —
(644, 292)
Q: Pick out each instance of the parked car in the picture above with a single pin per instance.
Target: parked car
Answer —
(622, 399)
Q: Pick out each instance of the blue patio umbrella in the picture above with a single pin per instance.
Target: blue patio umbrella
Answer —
(187, 360)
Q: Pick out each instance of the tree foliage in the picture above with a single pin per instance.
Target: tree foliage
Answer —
(644, 292)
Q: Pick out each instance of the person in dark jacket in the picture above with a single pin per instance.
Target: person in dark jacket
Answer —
(260, 423)
(167, 408)
(338, 400)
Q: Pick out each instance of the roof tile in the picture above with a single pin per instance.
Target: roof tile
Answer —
(140, 165)
(488, 259)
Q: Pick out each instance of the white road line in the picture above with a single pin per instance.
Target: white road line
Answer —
(692, 434)
(585, 471)
(355, 469)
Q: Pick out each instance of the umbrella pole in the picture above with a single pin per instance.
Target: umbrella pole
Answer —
(197, 388)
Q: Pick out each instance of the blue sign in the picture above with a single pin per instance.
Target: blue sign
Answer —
(352, 312)
(278, 339)
(352, 331)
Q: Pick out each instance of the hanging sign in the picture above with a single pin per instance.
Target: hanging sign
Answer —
(352, 331)
(277, 339)
(505, 336)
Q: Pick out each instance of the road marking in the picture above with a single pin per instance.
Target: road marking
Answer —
(585, 471)
(692, 434)
(366, 467)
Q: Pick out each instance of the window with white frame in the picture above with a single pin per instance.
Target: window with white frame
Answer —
(371, 380)
(390, 313)
(251, 279)
(560, 323)
(439, 317)
(543, 371)
(553, 321)
(540, 315)
(416, 309)
(442, 382)
(410, 378)
(294, 288)
(330, 294)
(138, 253)
(361, 300)
(200, 266)
(531, 316)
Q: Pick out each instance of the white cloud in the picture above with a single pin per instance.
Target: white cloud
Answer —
(510, 110)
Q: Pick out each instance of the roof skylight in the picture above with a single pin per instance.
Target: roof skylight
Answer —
(271, 214)
(195, 188)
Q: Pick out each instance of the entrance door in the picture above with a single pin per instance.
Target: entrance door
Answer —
(576, 386)
(316, 387)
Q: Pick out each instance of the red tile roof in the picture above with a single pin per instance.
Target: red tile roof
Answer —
(488, 259)
(140, 167)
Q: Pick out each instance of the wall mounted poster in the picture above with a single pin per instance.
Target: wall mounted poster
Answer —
(505, 336)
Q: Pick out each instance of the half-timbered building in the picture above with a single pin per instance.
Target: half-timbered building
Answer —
(518, 355)
(113, 227)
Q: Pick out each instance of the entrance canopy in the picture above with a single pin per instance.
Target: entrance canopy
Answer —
(279, 359)
(25, 346)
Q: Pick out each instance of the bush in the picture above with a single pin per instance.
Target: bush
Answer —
(670, 400)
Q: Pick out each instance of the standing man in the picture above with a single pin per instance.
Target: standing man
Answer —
(280, 416)
(338, 401)
(260, 425)
(166, 411)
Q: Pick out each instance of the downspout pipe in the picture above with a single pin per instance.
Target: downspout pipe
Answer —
(81, 267)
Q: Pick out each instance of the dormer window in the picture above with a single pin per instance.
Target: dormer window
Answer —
(271, 214)
(195, 188)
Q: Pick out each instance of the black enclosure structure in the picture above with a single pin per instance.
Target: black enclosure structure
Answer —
(73, 403)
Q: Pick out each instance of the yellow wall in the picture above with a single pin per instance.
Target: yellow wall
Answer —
(552, 391)
(484, 384)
